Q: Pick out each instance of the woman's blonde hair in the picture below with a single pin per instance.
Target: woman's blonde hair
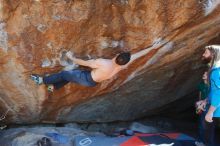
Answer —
(215, 51)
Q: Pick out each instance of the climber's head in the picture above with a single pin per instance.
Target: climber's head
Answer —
(123, 58)
(212, 54)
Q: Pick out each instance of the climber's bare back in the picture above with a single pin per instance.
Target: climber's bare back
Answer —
(104, 69)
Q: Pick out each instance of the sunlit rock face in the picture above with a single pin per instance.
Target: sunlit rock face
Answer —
(165, 38)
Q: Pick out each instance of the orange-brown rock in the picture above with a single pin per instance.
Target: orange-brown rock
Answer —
(165, 37)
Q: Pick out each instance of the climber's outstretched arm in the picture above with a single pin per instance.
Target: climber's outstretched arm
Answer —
(92, 63)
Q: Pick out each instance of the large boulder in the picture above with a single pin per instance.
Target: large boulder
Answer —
(165, 37)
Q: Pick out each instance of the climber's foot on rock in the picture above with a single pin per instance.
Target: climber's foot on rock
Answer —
(37, 79)
(50, 88)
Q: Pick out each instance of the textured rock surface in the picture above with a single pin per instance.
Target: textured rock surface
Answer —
(165, 38)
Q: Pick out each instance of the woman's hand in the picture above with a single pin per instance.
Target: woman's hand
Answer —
(201, 105)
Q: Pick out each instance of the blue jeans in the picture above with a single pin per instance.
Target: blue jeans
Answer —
(210, 133)
(82, 77)
(202, 124)
(206, 130)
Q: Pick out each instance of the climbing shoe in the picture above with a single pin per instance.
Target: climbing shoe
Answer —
(37, 79)
(44, 142)
(50, 88)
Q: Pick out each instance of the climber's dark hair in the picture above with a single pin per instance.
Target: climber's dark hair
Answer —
(123, 58)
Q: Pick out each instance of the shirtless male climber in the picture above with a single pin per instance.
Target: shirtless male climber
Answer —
(101, 69)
